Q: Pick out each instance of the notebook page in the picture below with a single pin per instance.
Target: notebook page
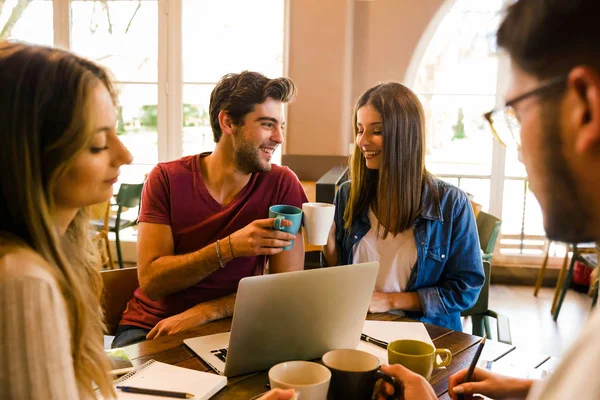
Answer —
(388, 331)
(158, 375)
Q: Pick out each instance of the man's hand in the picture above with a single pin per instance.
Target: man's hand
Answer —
(488, 384)
(278, 394)
(380, 302)
(257, 238)
(409, 386)
(191, 318)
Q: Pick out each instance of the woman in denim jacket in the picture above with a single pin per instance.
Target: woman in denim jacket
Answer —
(420, 229)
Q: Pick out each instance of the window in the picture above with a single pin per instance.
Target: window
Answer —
(27, 20)
(166, 57)
(251, 37)
(123, 36)
(457, 80)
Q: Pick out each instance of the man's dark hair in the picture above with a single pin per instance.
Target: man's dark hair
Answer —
(547, 38)
(237, 94)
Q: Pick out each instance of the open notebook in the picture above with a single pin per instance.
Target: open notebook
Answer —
(388, 331)
(157, 375)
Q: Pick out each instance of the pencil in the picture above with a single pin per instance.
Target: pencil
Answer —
(156, 392)
(474, 362)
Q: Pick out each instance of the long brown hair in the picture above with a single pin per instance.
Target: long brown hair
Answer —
(395, 190)
(44, 108)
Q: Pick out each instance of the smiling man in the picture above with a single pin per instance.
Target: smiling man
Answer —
(203, 223)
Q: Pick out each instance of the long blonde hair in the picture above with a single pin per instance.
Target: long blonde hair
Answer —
(43, 108)
(396, 189)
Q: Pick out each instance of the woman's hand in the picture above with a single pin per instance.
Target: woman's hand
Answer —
(380, 302)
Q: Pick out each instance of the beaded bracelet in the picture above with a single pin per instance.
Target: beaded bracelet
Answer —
(219, 255)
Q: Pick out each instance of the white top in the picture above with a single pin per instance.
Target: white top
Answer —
(577, 375)
(396, 255)
(35, 339)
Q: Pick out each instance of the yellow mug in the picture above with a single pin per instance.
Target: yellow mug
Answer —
(419, 357)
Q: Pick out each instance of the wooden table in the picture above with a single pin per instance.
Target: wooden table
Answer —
(171, 350)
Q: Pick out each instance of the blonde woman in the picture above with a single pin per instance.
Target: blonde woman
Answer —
(59, 153)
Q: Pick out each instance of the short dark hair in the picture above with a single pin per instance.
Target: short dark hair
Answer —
(237, 94)
(547, 38)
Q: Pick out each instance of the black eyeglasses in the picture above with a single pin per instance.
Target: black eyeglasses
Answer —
(503, 121)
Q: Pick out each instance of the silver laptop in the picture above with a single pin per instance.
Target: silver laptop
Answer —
(291, 316)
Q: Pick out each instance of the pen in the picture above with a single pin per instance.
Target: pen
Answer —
(474, 361)
(156, 392)
(376, 342)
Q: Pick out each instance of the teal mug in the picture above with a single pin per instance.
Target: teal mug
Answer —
(291, 213)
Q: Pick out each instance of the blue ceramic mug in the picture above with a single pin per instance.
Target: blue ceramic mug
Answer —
(291, 213)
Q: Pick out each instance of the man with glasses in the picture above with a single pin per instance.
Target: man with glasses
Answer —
(552, 114)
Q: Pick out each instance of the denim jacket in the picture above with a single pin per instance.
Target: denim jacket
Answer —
(448, 274)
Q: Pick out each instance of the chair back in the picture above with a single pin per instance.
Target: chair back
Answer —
(130, 194)
(482, 304)
(119, 285)
(488, 228)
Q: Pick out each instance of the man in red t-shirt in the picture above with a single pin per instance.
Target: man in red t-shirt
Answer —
(204, 220)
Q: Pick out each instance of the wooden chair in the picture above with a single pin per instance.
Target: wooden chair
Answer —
(129, 196)
(119, 285)
(100, 214)
(581, 251)
(542, 271)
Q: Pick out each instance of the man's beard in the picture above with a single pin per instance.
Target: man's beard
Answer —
(246, 156)
(566, 217)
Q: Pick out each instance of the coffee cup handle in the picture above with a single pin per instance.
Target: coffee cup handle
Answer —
(388, 379)
(277, 222)
(445, 360)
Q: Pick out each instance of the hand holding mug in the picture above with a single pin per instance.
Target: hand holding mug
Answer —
(409, 385)
(258, 238)
(353, 374)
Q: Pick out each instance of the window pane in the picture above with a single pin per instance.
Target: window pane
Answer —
(461, 58)
(197, 134)
(27, 20)
(513, 215)
(514, 167)
(480, 189)
(121, 35)
(458, 141)
(226, 36)
(137, 123)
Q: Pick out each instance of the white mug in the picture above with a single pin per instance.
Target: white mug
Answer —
(318, 218)
(310, 380)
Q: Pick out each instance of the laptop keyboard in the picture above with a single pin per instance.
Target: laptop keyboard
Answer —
(221, 354)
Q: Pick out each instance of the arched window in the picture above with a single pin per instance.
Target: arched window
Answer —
(459, 76)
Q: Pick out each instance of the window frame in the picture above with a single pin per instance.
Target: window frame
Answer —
(170, 68)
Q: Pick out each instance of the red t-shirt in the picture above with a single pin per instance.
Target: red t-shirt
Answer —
(175, 194)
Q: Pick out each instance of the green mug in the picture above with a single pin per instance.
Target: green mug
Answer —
(419, 357)
(291, 213)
